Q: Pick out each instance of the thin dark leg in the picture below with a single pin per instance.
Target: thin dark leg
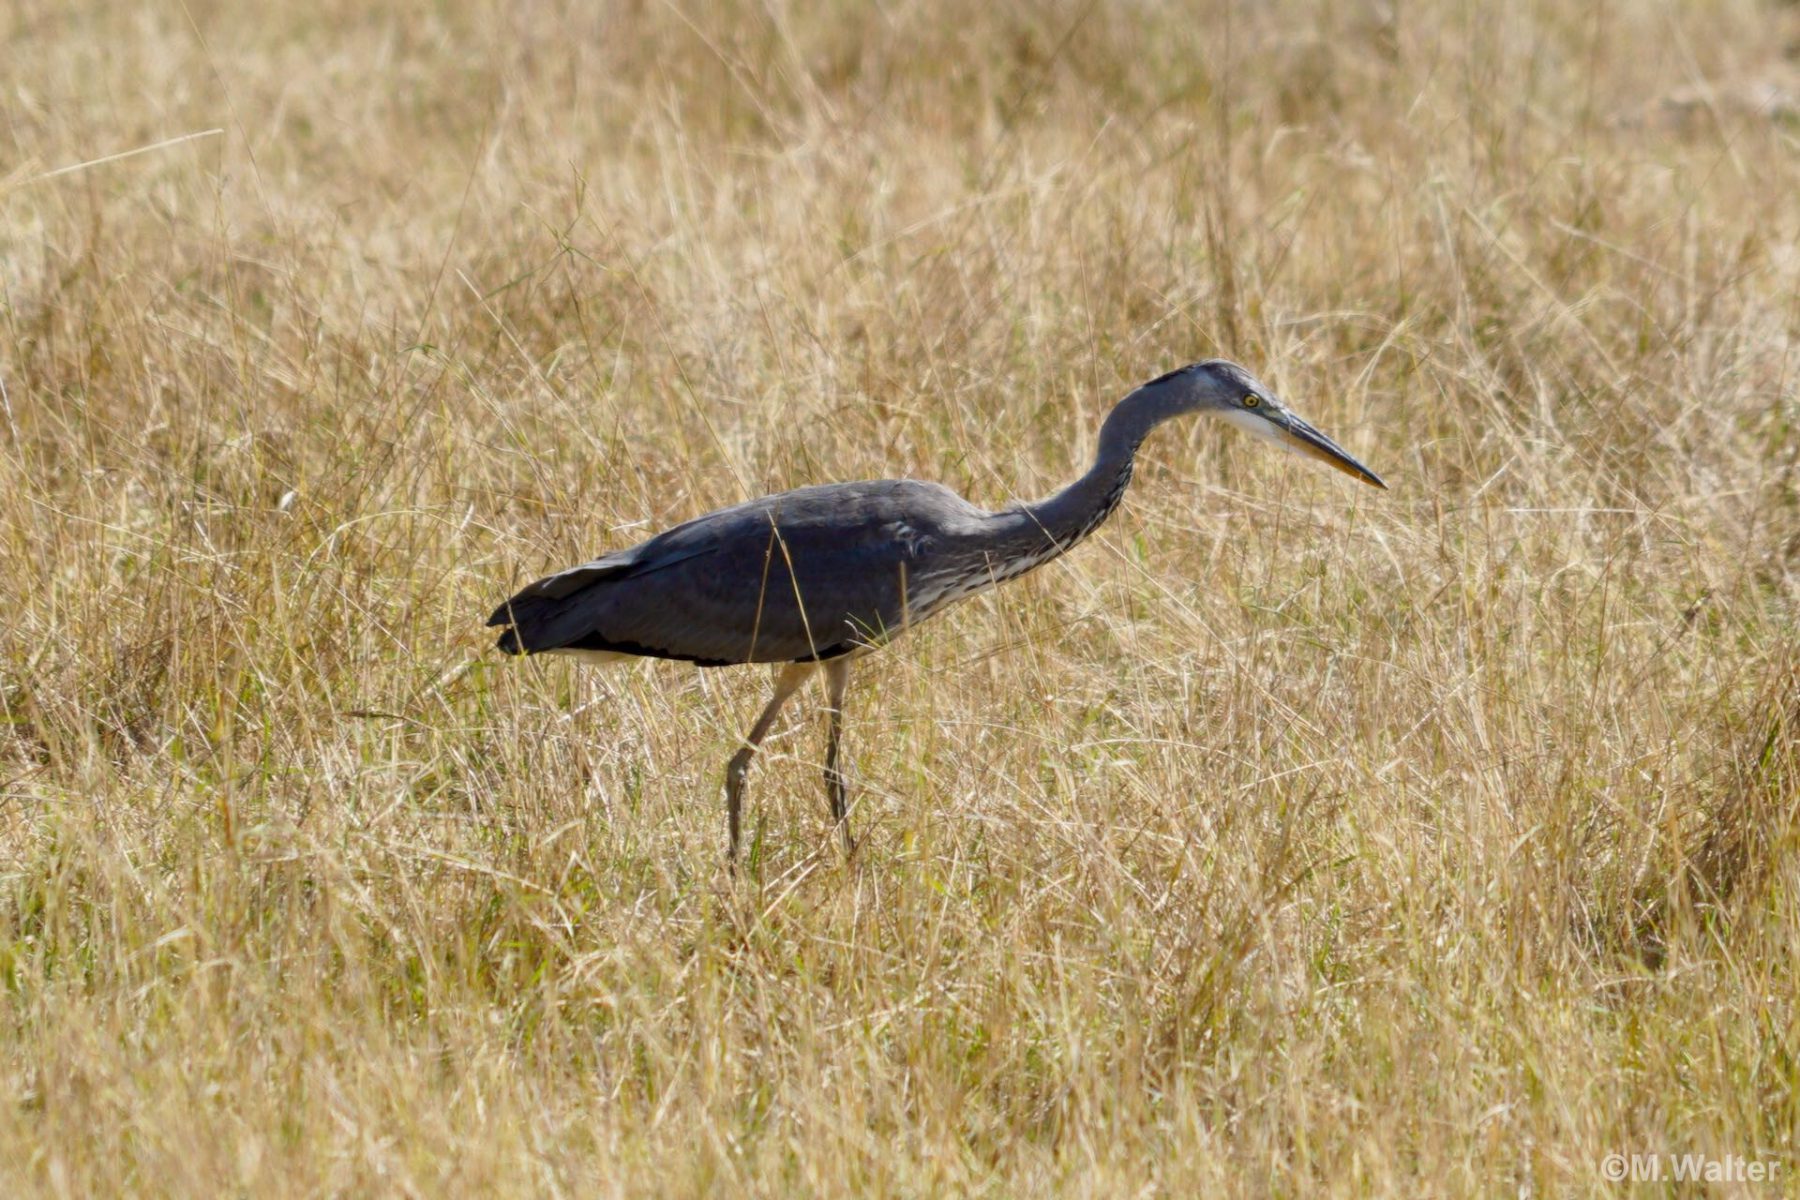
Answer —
(837, 678)
(787, 682)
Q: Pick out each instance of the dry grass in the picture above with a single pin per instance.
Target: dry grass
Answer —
(1289, 838)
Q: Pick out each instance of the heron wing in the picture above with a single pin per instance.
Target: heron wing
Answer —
(808, 574)
(567, 582)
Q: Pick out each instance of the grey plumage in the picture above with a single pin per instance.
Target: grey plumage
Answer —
(802, 576)
(821, 574)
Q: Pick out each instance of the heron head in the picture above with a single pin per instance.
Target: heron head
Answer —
(1225, 388)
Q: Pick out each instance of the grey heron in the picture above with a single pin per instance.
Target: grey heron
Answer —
(813, 578)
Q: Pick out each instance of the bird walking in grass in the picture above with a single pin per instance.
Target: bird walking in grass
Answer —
(814, 578)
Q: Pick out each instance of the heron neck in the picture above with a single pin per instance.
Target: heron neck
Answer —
(1077, 510)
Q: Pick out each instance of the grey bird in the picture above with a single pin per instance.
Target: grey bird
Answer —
(813, 578)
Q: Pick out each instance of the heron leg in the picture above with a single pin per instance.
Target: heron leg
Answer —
(837, 678)
(787, 681)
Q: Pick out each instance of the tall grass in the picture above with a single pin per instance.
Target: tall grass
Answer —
(1288, 838)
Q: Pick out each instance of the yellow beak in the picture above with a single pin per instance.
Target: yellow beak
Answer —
(1303, 438)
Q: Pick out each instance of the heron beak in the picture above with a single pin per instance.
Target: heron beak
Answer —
(1299, 436)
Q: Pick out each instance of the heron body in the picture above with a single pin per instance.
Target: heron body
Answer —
(817, 576)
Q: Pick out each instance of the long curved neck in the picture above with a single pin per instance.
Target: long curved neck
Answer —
(1077, 510)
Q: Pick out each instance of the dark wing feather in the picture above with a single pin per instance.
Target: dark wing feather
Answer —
(806, 574)
(566, 583)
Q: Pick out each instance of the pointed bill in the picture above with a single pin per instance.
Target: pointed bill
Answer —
(1302, 438)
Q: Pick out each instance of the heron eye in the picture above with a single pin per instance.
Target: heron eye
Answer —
(1252, 400)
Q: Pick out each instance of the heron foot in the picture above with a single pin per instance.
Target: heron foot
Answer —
(838, 793)
(735, 771)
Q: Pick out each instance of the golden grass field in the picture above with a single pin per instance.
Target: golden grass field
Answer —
(1288, 838)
